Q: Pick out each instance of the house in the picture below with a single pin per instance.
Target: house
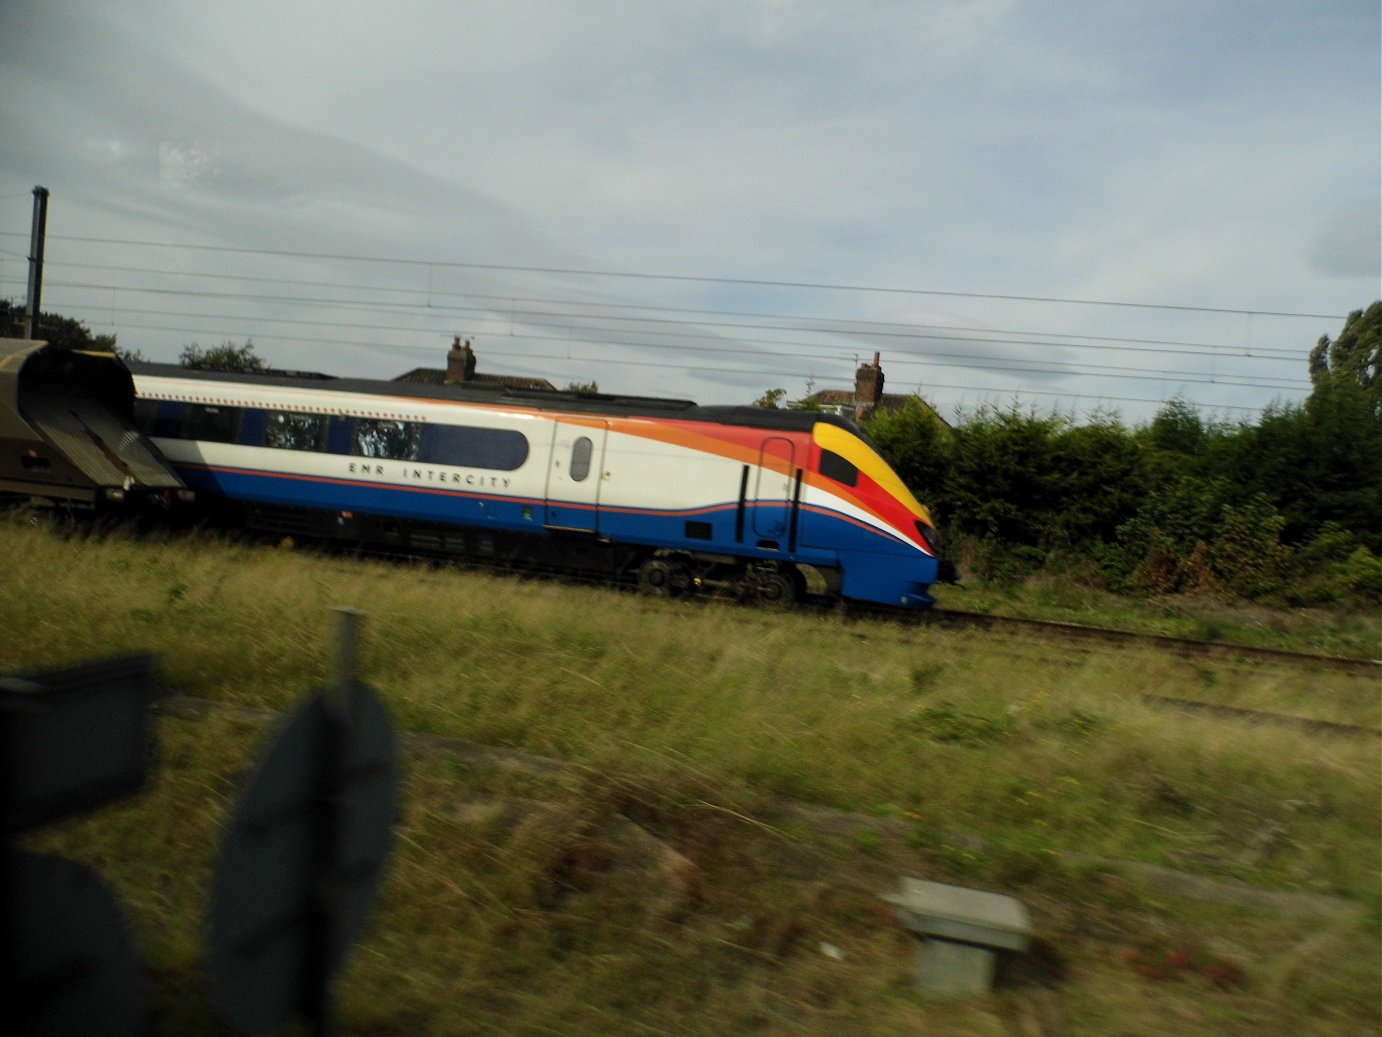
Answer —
(866, 397)
(460, 370)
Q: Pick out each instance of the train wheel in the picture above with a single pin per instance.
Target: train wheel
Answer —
(660, 578)
(778, 589)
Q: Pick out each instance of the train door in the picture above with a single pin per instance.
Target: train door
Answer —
(776, 466)
(574, 476)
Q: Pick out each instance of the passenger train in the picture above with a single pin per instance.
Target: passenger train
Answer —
(767, 504)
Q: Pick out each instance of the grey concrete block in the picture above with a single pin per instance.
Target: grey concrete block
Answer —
(946, 967)
(960, 930)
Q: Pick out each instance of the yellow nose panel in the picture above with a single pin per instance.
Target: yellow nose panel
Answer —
(862, 456)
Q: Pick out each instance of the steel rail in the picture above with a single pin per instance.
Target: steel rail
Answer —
(1181, 645)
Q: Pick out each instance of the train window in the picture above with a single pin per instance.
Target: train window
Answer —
(339, 434)
(392, 440)
(467, 447)
(288, 430)
(580, 459)
(833, 466)
(157, 417)
(211, 424)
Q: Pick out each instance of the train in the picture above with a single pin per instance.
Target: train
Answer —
(67, 434)
(769, 505)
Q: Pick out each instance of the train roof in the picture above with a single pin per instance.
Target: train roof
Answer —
(535, 399)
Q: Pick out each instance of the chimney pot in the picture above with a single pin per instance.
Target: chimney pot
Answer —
(460, 362)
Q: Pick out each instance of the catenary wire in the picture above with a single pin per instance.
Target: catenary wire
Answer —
(929, 356)
(1098, 341)
(988, 363)
(688, 278)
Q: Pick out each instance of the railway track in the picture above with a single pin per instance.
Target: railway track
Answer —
(1075, 632)
(1071, 633)
(1075, 635)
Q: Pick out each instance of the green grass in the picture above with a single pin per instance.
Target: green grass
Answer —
(779, 772)
(1347, 632)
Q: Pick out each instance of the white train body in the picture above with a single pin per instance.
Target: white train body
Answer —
(660, 487)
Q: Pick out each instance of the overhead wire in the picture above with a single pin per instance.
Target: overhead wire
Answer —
(687, 278)
(641, 326)
(930, 358)
(1097, 341)
(841, 327)
(776, 372)
(1180, 377)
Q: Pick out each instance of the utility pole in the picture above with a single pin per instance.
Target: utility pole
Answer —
(36, 236)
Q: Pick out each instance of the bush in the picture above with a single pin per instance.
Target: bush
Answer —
(1329, 573)
(1361, 575)
(993, 560)
(1248, 555)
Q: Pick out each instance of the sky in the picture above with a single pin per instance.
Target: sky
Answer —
(1055, 204)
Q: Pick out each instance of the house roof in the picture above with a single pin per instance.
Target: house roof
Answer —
(437, 376)
(847, 400)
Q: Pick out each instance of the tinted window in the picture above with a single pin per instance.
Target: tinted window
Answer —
(210, 424)
(285, 430)
(833, 466)
(497, 448)
(393, 440)
(157, 418)
(580, 459)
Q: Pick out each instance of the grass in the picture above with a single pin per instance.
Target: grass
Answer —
(737, 788)
(1348, 632)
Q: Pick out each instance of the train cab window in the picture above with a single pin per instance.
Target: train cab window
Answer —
(466, 446)
(580, 459)
(392, 440)
(288, 430)
(833, 466)
(210, 424)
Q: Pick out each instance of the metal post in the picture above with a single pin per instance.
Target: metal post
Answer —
(338, 701)
(340, 693)
(36, 238)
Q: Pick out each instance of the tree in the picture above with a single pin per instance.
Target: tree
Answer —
(225, 357)
(1321, 462)
(63, 332)
(918, 446)
(586, 387)
(1353, 360)
(1177, 428)
(772, 399)
(808, 400)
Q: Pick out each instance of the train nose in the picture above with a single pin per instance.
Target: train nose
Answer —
(917, 598)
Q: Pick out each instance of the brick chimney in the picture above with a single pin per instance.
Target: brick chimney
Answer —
(460, 362)
(868, 386)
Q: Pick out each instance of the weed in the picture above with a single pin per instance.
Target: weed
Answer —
(1075, 724)
(946, 723)
(1018, 857)
(1209, 630)
(926, 678)
(868, 842)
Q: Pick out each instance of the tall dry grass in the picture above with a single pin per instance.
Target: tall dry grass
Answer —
(503, 912)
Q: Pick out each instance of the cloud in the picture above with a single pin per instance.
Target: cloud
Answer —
(1129, 152)
(1348, 244)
